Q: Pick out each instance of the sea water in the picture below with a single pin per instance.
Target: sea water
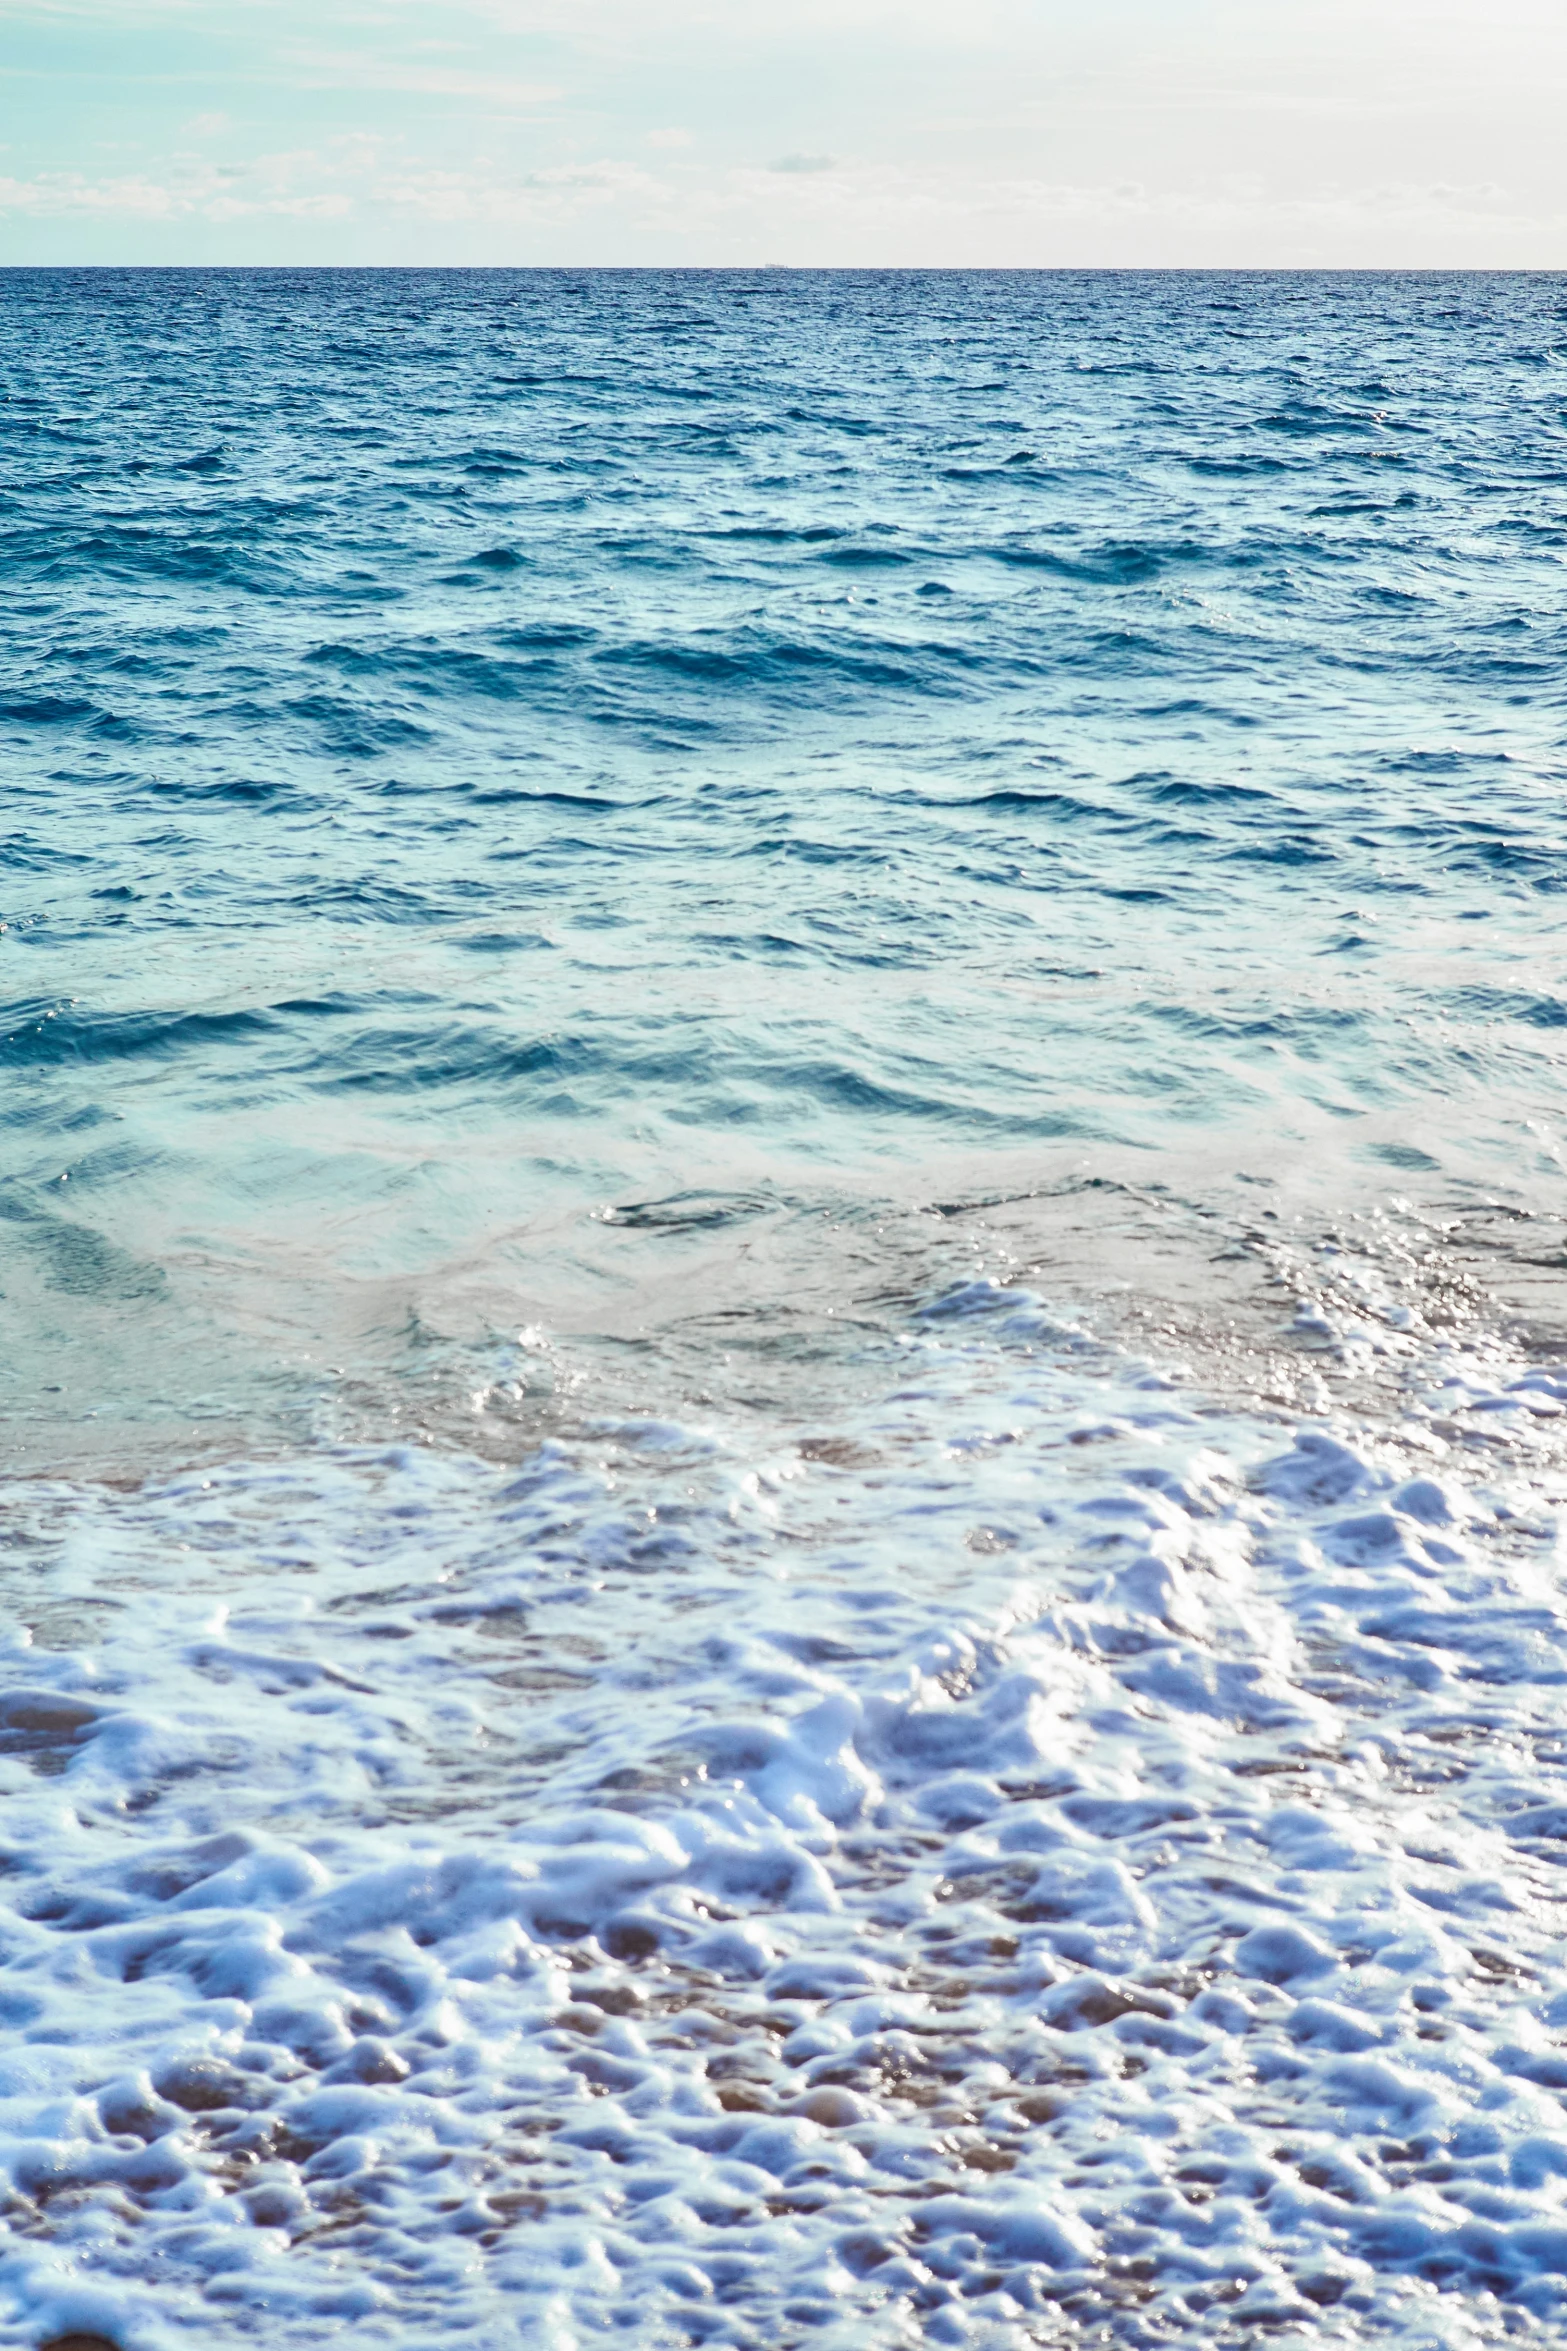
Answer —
(784, 1372)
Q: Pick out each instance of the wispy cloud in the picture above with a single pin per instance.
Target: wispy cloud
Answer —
(66, 194)
(354, 176)
(348, 69)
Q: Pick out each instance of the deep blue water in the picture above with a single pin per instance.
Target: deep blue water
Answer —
(483, 749)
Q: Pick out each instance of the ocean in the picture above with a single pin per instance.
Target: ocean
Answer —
(784, 1283)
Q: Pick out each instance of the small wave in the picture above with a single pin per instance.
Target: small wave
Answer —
(47, 710)
(799, 663)
(784, 534)
(76, 1261)
(171, 553)
(520, 796)
(41, 1034)
(690, 1212)
(866, 558)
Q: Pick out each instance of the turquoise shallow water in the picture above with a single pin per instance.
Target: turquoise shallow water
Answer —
(484, 749)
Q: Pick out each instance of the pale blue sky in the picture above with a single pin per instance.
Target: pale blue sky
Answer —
(942, 131)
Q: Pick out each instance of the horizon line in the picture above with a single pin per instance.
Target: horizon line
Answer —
(1343, 269)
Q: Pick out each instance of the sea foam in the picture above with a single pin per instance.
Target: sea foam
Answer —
(1047, 1853)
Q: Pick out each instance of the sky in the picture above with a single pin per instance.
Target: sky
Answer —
(1035, 133)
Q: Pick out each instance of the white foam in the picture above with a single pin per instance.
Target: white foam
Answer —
(1054, 1859)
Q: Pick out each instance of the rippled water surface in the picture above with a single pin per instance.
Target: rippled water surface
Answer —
(782, 1253)
(482, 749)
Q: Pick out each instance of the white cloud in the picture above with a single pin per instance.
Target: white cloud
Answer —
(69, 192)
(859, 131)
(858, 213)
(540, 199)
